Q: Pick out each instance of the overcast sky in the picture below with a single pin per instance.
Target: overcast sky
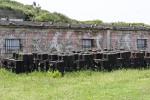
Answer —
(105, 10)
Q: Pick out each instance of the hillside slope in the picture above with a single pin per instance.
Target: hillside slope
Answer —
(34, 13)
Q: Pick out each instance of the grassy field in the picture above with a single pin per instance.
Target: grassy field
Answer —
(84, 85)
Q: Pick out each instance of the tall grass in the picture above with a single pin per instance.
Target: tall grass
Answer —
(84, 85)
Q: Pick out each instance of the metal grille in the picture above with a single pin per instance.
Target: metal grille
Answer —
(142, 44)
(12, 45)
(87, 43)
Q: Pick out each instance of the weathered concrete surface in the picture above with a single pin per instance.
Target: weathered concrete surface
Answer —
(9, 13)
(128, 39)
(47, 40)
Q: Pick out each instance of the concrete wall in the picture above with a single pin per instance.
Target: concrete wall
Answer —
(11, 13)
(48, 40)
(128, 39)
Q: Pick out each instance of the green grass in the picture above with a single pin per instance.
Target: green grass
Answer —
(84, 85)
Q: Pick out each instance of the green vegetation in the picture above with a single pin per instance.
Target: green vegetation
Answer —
(127, 24)
(93, 22)
(84, 85)
(35, 13)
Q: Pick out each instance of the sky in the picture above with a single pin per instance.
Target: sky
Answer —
(105, 10)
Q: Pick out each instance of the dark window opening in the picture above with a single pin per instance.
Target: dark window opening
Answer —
(142, 44)
(87, 43)
(12, 45)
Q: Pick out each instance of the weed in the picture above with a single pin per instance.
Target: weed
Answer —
(54, 74)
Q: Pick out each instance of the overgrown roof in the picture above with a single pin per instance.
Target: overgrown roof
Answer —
(72, 26)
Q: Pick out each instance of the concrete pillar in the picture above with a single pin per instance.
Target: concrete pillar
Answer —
(107, 40)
